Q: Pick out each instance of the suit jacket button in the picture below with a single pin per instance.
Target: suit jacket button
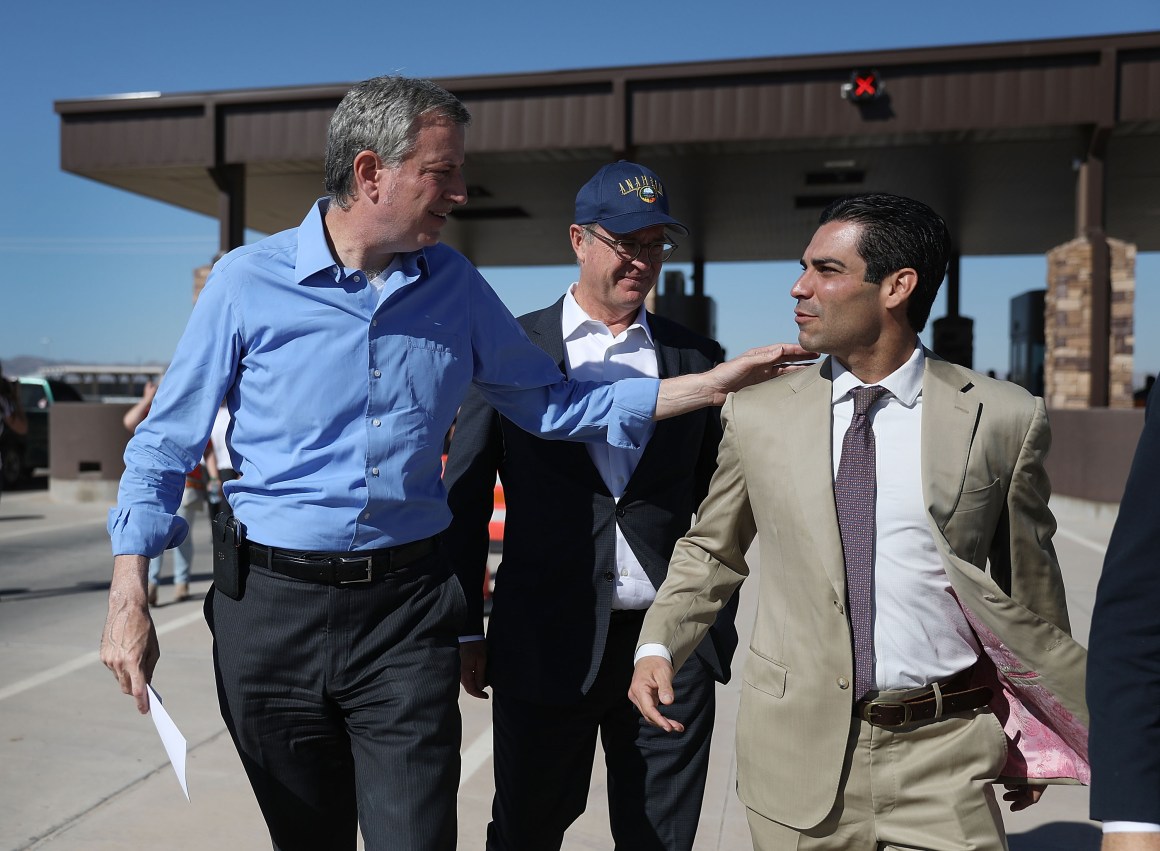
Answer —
(843, 682)
(619, 511)
(609, 575)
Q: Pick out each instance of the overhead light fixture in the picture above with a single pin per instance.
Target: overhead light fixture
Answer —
(863, 86)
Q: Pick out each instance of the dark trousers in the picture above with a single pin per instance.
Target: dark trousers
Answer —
(342, 703)
(656, 780)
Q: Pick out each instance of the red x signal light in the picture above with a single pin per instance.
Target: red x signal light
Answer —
(863, 86)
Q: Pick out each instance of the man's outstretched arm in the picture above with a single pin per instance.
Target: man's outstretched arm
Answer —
(685, 393)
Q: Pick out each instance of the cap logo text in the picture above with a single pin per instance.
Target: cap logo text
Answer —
(644, 187)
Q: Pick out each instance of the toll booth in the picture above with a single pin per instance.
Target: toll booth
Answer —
(1028, 341)
(695, 310)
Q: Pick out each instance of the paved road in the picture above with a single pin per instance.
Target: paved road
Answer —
(79, 769)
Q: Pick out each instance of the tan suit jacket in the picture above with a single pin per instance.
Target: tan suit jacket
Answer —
(983, 445)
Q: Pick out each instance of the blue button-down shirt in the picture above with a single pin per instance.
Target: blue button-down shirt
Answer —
(341, 396)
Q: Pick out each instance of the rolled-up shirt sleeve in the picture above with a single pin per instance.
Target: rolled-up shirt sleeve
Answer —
(170, 441)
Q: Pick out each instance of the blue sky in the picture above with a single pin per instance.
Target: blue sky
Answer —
(91, 273)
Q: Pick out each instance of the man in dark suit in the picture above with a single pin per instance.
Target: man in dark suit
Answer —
(1123, 684)
(588, 535)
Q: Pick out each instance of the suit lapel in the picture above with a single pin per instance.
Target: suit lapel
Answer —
(949, 418)
(813, 468)
(547, 333)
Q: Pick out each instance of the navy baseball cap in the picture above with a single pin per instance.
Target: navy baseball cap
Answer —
(624, 197)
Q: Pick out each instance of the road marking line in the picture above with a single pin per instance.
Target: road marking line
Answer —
(1080, 539)
(46, 530)
(63, 670)
(475, 757)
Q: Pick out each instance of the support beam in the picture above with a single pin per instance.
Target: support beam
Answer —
(231, 183)
(1089, 222)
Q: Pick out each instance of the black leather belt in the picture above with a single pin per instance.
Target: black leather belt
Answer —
(923, 705)
(339, 568)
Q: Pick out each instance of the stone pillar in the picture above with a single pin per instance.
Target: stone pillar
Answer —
(1068, 324)
(1123, 322)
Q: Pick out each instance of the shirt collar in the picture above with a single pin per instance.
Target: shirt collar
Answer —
(573, 318)
(904, 384)
(314, 253)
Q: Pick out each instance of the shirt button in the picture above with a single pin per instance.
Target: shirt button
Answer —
(374, 471)
(376, 423)
(377, 374)
(367, 516)
(843, 682)
(624, 572)
(356, 278)
(374, 323)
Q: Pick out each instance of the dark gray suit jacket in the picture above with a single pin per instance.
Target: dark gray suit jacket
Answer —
(553, 591)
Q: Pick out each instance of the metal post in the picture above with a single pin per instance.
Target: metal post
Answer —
(231, 184)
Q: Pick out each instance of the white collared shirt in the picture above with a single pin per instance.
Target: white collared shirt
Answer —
(592, 353)
(920, 633)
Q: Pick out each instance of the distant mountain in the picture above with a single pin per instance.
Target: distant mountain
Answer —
(20, 365)
(24, 365)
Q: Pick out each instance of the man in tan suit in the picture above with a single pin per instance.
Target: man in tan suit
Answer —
(912, 644)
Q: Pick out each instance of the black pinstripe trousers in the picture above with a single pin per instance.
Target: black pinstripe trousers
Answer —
(342, 703)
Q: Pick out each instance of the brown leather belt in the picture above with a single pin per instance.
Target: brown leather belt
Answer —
(339, 568)
(956, 696)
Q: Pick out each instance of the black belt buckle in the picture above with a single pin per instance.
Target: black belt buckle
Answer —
(868, 713)
(362, 580)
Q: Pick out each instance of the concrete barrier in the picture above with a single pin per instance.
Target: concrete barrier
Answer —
(86, 445)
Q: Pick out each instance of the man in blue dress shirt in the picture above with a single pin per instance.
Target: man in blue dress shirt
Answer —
(343, 349)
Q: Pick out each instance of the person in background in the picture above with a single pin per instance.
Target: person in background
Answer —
(588, 535)
(193, 501)
(218, 463)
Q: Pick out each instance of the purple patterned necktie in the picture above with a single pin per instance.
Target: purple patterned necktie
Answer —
(854, 491)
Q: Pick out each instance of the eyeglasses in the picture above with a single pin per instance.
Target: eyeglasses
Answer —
(629, 249)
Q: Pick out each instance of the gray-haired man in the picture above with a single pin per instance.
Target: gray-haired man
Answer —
(343, 349)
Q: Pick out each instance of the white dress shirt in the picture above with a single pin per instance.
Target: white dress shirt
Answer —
(920, 633)
(592, 353)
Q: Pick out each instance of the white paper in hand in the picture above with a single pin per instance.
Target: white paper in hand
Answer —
(170, 737)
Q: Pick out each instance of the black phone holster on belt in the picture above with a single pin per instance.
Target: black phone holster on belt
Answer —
(230, 554)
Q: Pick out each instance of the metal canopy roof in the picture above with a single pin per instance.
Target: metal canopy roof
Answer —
(990, 135)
